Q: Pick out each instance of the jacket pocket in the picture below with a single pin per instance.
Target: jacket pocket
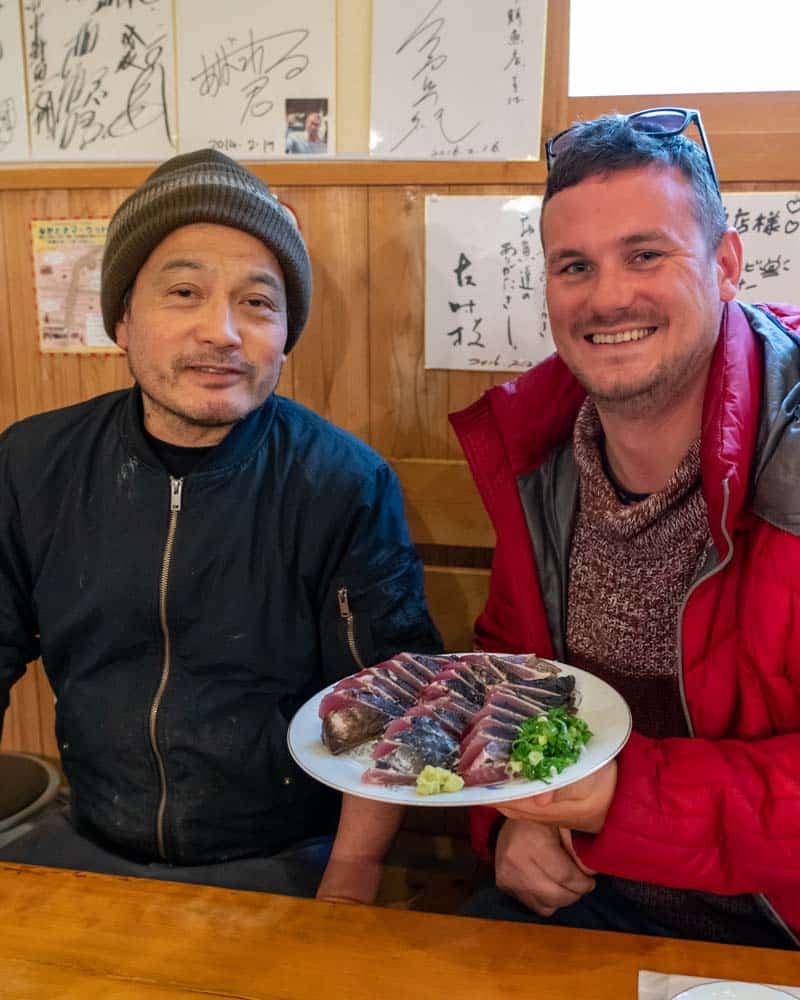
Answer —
(375, 621)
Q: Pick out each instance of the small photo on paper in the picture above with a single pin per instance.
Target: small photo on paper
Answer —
(307, 126)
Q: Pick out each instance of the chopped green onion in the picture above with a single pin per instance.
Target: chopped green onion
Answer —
(547, 744)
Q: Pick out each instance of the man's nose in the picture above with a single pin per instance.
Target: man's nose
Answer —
(219, 325)
(613, 290)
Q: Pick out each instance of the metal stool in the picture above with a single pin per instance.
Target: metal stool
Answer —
(27, 785)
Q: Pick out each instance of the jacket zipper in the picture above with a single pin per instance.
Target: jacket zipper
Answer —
(176, 487)
(759, 897)
(347, 617)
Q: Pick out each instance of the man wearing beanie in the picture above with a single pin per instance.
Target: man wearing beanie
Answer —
(644, 487)
(193, 558)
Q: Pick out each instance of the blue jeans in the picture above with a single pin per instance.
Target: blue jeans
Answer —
(54, 842)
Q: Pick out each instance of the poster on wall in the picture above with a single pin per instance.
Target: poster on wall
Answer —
(769, 226)
(257, 81)
(100, 79)
(67, 254)
(484, 284)
(13, 112)
(457, 79)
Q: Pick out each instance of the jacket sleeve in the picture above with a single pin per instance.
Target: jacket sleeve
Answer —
(19, 643)
(375, 601)
(720, 816)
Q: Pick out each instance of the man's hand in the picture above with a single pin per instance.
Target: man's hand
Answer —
(581, 806)
(366, 830)
(535, 863)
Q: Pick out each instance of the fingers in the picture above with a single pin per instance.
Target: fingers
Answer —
(533, 865)
(544, 892)
(566, 840)
(582, 805)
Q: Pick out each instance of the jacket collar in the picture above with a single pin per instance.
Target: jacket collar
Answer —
(235, 448)
(534, 414)
(776, 469)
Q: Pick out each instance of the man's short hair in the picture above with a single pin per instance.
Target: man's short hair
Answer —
(610, 144)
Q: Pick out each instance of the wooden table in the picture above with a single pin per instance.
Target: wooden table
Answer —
(67, 935)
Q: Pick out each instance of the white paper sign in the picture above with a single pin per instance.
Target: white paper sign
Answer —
(257, 80)
(459, 79)
(769, 225)
(13, 113)
(100, 79)
(484, 284)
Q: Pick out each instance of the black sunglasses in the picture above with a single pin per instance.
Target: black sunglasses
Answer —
(658, 122)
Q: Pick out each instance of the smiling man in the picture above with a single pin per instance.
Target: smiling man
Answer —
(195, 557)
(643, 487)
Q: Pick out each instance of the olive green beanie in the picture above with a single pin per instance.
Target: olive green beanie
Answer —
(202, 186)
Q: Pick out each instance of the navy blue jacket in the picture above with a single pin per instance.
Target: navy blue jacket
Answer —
(182, 622)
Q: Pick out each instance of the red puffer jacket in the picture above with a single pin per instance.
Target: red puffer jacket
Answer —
(720, 811)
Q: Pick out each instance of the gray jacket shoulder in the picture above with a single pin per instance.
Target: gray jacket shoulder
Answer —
(776, 469)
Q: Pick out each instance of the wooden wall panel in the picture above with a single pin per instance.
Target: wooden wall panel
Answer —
(331, 361)
(46, 381)
(42, 383)
(408, 404)
(30, 721)
(360, 363)
(8, 396)
(442, 503)
(555, 103)
(456, 597)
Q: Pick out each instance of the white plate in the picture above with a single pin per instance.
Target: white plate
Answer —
(605, 712)
(726, 990)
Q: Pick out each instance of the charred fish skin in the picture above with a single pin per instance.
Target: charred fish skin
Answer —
(351, 725)
(458, 711)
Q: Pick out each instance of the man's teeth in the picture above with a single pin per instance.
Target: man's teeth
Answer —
(621, 338)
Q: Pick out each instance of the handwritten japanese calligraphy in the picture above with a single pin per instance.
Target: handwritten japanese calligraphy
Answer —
(457, 78)
(249, 82)
(101, 78)
(13, 130)
(484, 281)
(769, 225)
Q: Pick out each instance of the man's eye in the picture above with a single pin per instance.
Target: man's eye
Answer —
(647, 256)
(575, 267)
(183, 293)
(258, 303)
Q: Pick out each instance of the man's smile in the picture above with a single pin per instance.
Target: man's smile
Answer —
(622, 336)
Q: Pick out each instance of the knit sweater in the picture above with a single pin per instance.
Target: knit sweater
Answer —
(630, 568)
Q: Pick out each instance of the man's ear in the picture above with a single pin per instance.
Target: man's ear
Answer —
(729, 256)
(121, 332)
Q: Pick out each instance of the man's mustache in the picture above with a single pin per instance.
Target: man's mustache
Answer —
(600, 322)
(215, 360)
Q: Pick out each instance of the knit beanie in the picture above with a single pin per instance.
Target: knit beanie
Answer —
(202, 186)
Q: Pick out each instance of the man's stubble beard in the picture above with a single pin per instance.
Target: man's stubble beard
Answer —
(658, 392)
(185, 415)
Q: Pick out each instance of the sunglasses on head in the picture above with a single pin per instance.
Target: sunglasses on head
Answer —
(657, 122)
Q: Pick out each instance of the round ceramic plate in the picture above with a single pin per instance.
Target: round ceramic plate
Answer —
(604, 711)
(725, 990)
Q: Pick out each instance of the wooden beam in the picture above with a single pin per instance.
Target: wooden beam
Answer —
(455, 599)
(442, 503)
(362, 172)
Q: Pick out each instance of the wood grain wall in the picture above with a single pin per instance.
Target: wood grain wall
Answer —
(360, 361)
